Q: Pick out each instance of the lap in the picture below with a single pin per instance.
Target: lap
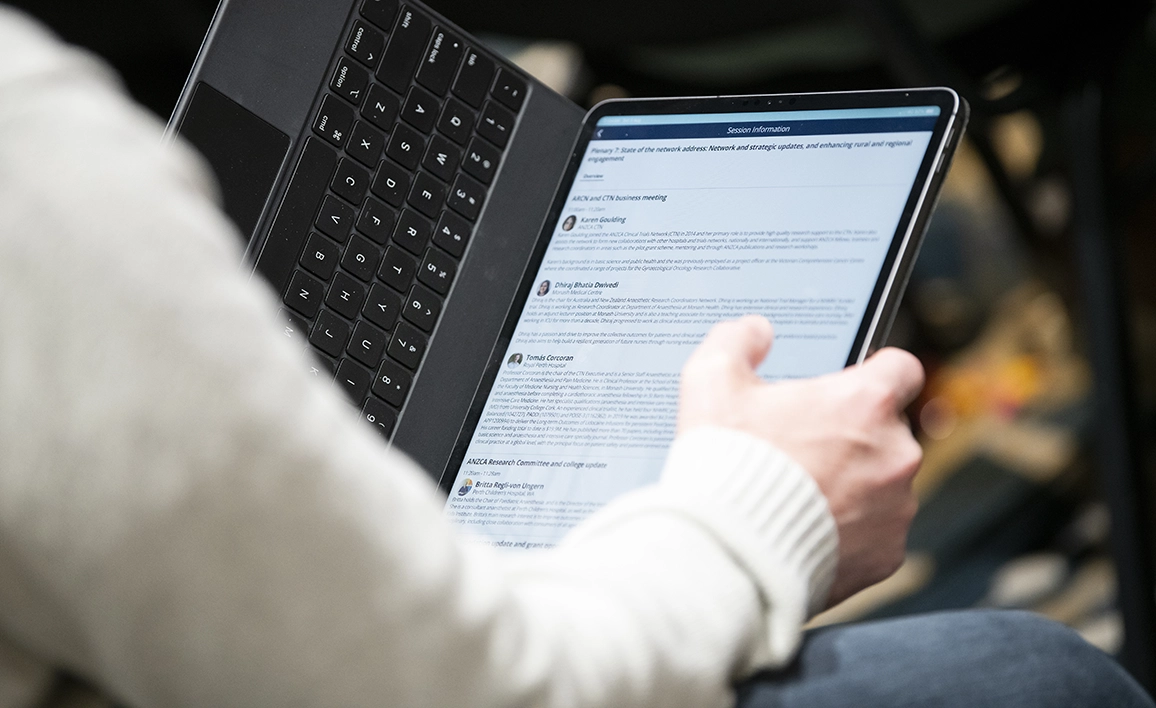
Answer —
(972, 658)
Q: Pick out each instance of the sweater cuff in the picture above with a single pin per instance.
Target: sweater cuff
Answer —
(770, 515)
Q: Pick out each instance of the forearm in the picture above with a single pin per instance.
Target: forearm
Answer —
(187, 518)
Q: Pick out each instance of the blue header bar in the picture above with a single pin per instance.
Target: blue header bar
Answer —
(775, 129)
(844, 113)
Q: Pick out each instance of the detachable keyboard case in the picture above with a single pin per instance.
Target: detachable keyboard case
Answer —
(254, 97)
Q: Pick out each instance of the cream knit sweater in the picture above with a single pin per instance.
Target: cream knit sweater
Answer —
(188, 519)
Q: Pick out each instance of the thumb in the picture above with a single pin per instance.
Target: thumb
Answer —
(734, 346)
(900, 371)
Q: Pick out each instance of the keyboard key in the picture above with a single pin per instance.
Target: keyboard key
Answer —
(466, 197)
(335, 219)
(397, 269)
(354, 380)
(295, 217)
(474, 78)
(366, 144)
(406, 49)
(334, 121)
(295, 329)
(367, 344)
(427, 194)
(457, 121)
(406, 146)
(408, 345)
(330, 333)
(496, 124)
(391, 183)
(452, 233)
(437, 271)
(376, 221)
(412, 233)
(510, 90)
(380, 416)
(345, 296)
(381, 107)
(304, 295)
(365, 44)
(349, 81)
(322, 366)
(420, 109)
(320, 256)
(392, 383)
(380, 12)
(442, 158)
(361, 258)
(422, 308)
(481, 161)
(382, 307)
(350, 181)
(441, 61)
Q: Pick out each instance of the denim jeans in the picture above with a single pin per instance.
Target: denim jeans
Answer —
(950, 660)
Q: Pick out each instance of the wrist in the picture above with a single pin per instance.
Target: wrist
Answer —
(767, 510)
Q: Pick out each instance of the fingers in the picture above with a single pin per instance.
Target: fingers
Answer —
(900, 371)
(746, 340)
(720, 371)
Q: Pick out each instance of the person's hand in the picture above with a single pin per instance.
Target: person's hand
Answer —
(846, 429)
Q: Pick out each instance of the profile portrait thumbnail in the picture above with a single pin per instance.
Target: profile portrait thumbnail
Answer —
(568, 224)
(544, 288)
(514, 361)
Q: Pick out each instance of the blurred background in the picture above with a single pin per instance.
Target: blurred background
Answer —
(1033, 305)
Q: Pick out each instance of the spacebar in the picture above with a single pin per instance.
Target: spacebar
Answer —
(293, 221)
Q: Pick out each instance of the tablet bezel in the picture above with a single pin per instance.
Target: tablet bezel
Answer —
(893, 274)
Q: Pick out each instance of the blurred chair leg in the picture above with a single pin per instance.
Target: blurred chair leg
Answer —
(1118, 448)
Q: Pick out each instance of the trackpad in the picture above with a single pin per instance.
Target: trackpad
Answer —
(245, 152)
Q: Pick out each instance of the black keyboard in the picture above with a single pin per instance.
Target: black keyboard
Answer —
(406, 139)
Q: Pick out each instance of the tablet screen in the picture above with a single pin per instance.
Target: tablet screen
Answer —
(672, 223)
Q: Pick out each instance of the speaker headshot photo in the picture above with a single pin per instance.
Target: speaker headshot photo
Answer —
(569, 223)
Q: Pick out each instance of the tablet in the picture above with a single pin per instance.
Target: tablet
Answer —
(675, 214)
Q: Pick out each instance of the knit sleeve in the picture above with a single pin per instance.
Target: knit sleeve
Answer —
(188, 518)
